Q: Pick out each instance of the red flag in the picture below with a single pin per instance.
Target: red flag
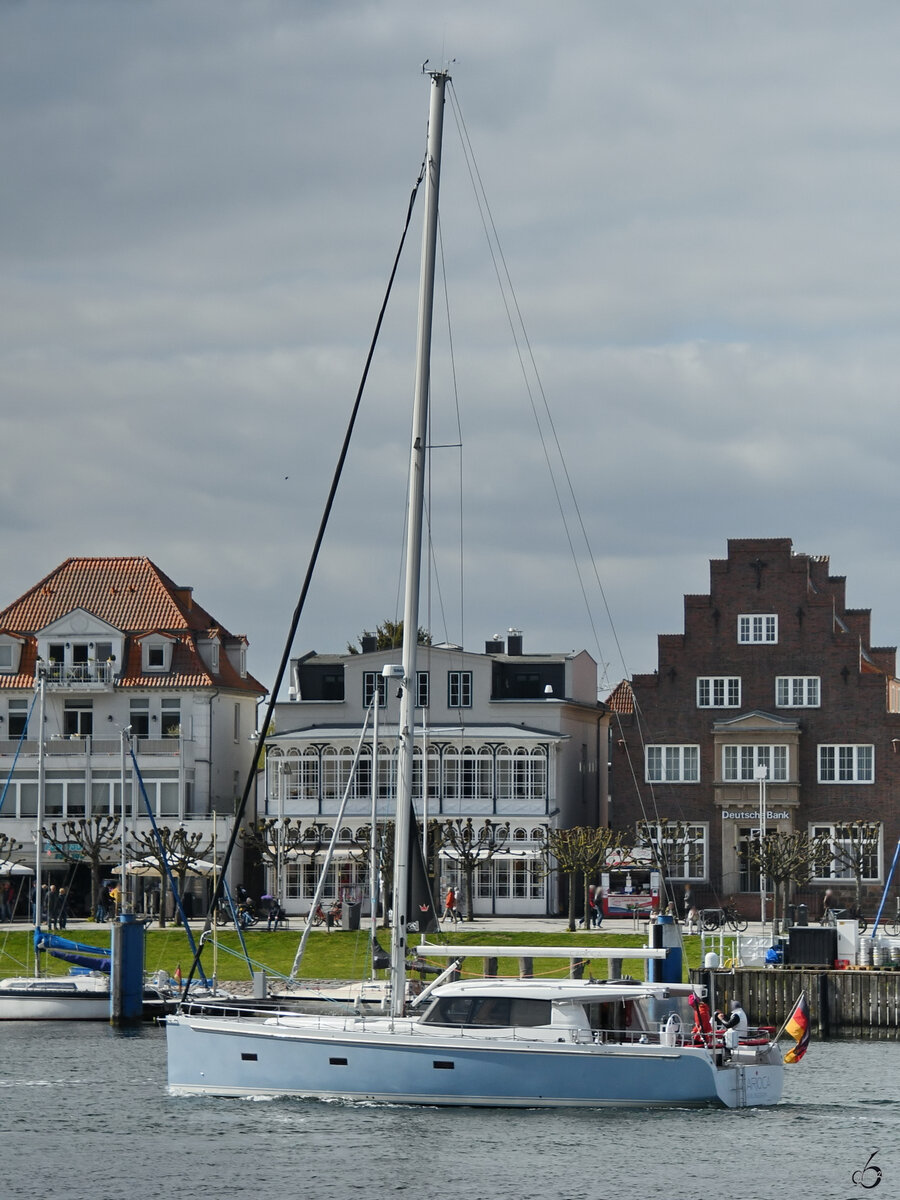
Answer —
(797, 1025)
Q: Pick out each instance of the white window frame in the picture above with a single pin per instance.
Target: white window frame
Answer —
(718, 691)
(672, 763)
(422, 689)
(798, 691)
(156, 644)
(692, 849)
(459, 689)
(757, 629)
(739, 762)
(841, 870)
(370, 680)
(843, 764)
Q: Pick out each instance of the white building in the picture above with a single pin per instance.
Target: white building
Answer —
(121, 646)
(516, 738)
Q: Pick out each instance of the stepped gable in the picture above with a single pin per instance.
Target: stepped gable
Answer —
(133, 595)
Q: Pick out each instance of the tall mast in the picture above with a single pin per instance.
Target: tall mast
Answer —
(39, 831)
(401, 917)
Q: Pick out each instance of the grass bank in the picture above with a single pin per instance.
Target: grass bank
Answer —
(337, 955)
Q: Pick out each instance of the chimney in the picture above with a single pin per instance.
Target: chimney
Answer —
(513, 641)
(369, 643)
(495, 645)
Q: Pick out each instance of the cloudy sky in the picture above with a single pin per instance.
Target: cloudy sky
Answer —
(697, 206)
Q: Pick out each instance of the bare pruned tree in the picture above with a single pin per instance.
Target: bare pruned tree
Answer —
(180, 848)
(93, 840)
(472, 847)
(581, 853)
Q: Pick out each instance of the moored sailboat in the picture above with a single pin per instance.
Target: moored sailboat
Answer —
(510, 1042)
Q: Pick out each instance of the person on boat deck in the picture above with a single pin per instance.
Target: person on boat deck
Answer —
(701, 1033)
(735, 1024)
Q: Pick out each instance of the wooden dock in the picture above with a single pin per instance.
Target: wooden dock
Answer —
(862, 1003)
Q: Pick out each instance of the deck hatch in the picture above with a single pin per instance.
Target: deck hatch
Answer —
(337, 1062)
(249, 1058)
(442, 1064)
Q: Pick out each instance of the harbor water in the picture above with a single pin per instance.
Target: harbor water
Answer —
(85, 1115)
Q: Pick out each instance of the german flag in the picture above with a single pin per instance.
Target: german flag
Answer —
(797, 1025)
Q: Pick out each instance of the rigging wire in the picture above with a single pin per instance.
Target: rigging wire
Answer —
(262, 732)
(529, 369)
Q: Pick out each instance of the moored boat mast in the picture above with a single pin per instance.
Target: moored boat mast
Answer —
(401, 917)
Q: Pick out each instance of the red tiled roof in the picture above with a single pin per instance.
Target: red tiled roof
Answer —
(621, 698)
(134, 596)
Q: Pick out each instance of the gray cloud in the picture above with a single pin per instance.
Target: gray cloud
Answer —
(696, 202)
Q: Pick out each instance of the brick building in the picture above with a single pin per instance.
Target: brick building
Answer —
(773, 692)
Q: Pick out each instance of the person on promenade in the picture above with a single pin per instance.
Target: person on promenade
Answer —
(53, 907)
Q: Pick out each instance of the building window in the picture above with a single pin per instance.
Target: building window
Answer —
(421, 689)
(139, 718)
(459, 689)
(78, 718)
(797, 691)
(849, 851)
(682, 848)
(672, 764)
(18, 717)
(237, 722)
(754, 629)
(371, 679)
(156, 655)
(719, 691)
(9, 657)
(739, 763)
(170, 718)
(846, 764)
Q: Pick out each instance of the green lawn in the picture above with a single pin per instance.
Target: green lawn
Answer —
(335, 955)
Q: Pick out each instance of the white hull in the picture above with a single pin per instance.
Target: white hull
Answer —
(414, 1062)
(70, 998)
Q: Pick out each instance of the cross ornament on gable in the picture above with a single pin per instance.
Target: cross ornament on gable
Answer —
(758, 566)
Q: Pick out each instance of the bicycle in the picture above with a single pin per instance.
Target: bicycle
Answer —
(717, 918)
(244, 912)
(893, 927)
(330, 918)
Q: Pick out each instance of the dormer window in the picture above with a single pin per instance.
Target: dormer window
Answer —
(10, 651)
(156, 655)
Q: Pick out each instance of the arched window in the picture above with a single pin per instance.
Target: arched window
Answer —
(451, 774)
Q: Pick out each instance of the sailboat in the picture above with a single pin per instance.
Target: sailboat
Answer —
(527, 1042)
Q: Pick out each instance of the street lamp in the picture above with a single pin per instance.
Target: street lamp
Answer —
(762, 774)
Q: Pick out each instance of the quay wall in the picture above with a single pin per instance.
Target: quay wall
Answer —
(842, 1004)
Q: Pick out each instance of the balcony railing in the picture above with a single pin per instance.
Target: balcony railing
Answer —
(80, 675)
(75, 744)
